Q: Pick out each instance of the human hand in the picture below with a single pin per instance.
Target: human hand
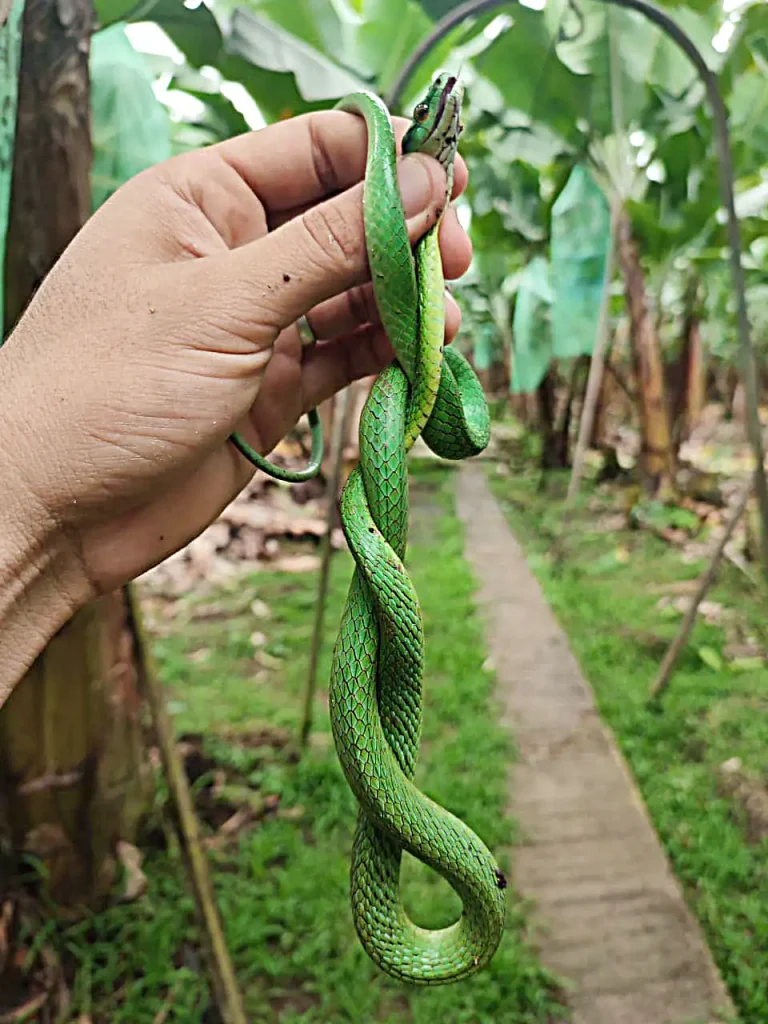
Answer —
(169, 323)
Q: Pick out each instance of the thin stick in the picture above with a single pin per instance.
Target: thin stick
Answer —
(340, 423)
(226, 993)
(705, 582)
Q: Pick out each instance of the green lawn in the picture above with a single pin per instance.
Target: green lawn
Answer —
(607, 596)
(283, 886)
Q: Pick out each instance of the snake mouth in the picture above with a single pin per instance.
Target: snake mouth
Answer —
(442, 103)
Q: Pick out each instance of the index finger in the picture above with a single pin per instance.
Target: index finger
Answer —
(303, 160)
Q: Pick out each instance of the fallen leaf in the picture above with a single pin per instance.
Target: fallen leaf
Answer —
(267, 660)
(242, 817)
(260, 610)
(291, 813)
(271, 548)
(136, 883)
(714, 612)
(746, 664)
(711, 658)
(25, 1012)
(241, 796)
(274, 522)
(749, 648)
(297, 563)
(681, 587)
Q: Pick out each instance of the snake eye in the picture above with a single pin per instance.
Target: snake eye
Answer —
(421, 113)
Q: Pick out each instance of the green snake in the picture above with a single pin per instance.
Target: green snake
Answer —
(378, 659)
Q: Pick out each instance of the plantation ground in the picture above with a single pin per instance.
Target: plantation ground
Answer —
(234, 671)
(233, 660)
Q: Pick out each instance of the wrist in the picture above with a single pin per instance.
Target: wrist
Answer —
(42, 583)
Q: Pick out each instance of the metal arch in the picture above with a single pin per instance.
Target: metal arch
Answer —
(723, 146)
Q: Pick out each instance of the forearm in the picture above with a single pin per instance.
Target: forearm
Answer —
(39, 571)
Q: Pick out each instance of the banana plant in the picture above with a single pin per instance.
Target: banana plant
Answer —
(10, 59)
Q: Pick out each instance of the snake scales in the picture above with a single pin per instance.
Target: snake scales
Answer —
(378, 659)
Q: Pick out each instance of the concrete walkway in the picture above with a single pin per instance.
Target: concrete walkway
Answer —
(609, 913)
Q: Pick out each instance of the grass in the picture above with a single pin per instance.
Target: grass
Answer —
(283, 888)
(606, 595)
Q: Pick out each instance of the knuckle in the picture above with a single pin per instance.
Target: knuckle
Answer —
(324, 167)
(334, 235)
(362, 305)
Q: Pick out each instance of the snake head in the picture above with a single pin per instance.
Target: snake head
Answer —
(436, 124)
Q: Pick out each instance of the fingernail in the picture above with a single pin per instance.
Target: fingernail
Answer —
(415, 177)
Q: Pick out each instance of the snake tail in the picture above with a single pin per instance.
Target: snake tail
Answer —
(291, 476)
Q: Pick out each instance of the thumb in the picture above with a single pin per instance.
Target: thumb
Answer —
(268, 284)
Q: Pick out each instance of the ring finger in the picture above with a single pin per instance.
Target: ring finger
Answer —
(357, 307)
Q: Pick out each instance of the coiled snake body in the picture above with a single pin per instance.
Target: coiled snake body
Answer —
(375, 688)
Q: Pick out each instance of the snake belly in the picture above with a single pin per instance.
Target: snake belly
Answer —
(378, 660)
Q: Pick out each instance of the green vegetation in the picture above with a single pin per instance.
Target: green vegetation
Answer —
(701, 759)
(283, 886)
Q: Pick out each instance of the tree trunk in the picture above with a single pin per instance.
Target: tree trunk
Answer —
(690, 376)
(546, 409)
(739, 407)
(602, 406)
(657, 454)
(554, 436)
(72, 759)
(507, 366)
(695, 376)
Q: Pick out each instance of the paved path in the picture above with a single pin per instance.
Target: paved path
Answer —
(610, 915)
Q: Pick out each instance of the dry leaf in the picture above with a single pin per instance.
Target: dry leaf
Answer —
(260, 610)
(136, 883)
(297, 563)
(291, 813)
(242, 817)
